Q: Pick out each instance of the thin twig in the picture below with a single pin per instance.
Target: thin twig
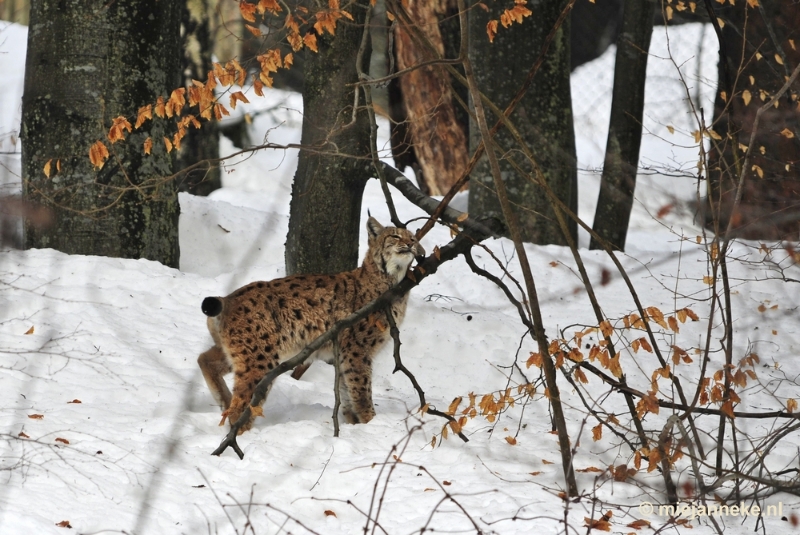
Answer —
(511, 219)
(400, 367)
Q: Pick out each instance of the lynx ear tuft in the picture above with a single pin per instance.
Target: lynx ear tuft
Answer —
(373, 228)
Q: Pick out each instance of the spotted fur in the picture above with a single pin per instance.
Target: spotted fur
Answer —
(264, 323)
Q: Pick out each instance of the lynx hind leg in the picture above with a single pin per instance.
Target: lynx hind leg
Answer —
(214, 365)
(246, 376)
(355, 383)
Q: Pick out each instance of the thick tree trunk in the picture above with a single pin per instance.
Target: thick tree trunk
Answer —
(770, 204)
(618, 182)
(543, 117)
(199, 145)
(88, 63)
(325, 210)
(438, 138)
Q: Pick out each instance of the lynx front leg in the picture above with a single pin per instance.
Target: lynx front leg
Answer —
(214, 365)
(355, 385)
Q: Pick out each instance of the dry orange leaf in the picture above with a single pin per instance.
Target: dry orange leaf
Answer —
(220, 110)
(118, 126)
(328, 512)
(29, 331)
(310, 40)
(148, 145)
(145, 113)
(36, 416)
(600, 525)
(47, 168)
(98, 154)
(727, 409)
(64, 524)
(62, 440)
(515, 14)
(454, 406)
(248, 11)
(589, 469)
(269, 5)
(237, 97)
(23, 435)
(491, 29)
(511, 440)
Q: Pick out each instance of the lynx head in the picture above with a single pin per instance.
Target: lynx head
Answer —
(392, 249)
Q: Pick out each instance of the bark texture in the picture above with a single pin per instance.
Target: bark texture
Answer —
(770, 205)
(437, 134)
(325, 210)
(87, 63)
(543, 117)
(618, 182)
(200, 146)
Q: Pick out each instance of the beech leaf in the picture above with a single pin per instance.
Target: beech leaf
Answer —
(98, 154)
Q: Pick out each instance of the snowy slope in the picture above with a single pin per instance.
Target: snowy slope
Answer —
(122, 337)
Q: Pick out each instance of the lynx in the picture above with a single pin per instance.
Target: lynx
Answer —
(264, 323)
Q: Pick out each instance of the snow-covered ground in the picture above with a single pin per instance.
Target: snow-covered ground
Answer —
(107, 424)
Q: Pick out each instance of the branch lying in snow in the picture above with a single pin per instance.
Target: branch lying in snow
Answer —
(461, 244)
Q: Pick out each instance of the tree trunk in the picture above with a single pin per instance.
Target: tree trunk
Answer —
(88, 63)
(200, 144)
(770, 203)
(543, 117)
(325, 210)
(618, 182)
(438, 138)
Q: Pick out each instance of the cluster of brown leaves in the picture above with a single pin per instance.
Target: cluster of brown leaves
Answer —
(490, 406)
(507, 18)
(201, 94)
(713, 390)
